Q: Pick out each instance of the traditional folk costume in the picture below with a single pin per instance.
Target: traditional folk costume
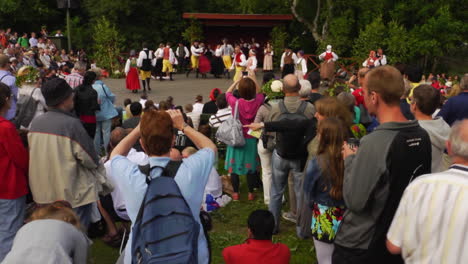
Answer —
(195, 58)
(144, 63)
(168, 60)
(183, 55)
(131, 71)
(268, 59)
(227, 51)
(158, 62)
(252, 64)
(239, 64)
(301, 68)
(327, 67)
(204, 66)
(371, 62)
(217, 63)
(288, 62)
(382, 59)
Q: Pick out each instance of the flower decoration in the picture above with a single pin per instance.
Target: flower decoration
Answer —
(273, 89)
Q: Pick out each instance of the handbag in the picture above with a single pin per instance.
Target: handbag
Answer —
(230, 131)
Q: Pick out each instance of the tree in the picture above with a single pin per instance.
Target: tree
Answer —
(107, 44)
(279, 35)
(193, 32)
(314, 25)
(371, 38)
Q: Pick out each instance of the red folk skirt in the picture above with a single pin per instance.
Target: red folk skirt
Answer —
(204, 64)
(132, 81)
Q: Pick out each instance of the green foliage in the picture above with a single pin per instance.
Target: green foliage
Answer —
(371, 38)
(279, 35)
(193, 32)
(399, 43)
(107, 45)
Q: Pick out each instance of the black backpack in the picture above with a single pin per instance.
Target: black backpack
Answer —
(146, 63)
(165, 230)
(290, 144)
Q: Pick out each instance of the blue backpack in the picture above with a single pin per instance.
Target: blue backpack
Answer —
(165, 230)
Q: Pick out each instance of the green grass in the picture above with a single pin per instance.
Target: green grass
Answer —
(230, 228)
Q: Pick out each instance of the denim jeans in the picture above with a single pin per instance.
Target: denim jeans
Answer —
(281, 168)
(11, 220)
(84, 213)
(102, 137)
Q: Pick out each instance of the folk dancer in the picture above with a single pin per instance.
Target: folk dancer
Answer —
(227, 51)
(183, 55)
(372, 61)
(252, 63)
(168, 60)
(144, 64)
(239, 63)
(288, 62)
(268, 58)
(301, 65)
(158, 61)
(381, 57)
(327, 67)
(131, 71)
(217, 63)
(195, 57)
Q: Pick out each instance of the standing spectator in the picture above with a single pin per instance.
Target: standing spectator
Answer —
(71, 162)
(258, 248)
(223, 113)
(456, 108)
(3, 39)
(323, 187)
(399, 150)
(423, 233)
(424, 103)
(33, 40)
(86, 103)
(76, 77)
(282, 163)
(52, 236)
(243, 160)
(7, 78)
(156, 131)
(107, 111)
(210, 107)
(14, 168)
(23, 41)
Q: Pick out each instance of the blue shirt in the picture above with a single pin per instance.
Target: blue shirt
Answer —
(191, 178)
(10, 80)
(107, 99)
(456, 108)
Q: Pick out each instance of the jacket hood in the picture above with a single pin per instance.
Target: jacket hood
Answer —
(438, 130)
(212, 93)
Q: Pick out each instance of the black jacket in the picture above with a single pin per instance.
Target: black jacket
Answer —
(86, 101)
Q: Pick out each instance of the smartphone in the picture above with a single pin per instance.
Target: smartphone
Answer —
(245, 74)
(353, 143)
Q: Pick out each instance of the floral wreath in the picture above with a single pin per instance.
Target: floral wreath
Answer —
(273, 89)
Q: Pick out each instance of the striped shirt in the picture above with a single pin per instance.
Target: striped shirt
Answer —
(74, 79)
(220, 116)
(430, 225)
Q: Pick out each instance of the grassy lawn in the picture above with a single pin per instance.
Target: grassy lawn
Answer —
(230, 228)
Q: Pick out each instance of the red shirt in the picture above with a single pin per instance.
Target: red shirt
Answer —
(359, 95)
(14, 162)
(257, 252)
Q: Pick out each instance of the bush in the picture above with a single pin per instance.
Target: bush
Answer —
(107, 45)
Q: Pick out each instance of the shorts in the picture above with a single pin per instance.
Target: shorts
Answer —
(167, 66)
(145, 75)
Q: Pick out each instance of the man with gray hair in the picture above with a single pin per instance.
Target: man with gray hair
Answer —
(76, 77)
(456, 107)
(430, 223)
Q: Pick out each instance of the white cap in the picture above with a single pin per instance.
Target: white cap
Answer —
(329, 47)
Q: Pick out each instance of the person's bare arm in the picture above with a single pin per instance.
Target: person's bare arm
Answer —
(127, 143)
(232, 87)
(395, 250)
(257, 86)
(197, 138)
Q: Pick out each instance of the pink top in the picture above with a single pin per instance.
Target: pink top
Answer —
(247, 109)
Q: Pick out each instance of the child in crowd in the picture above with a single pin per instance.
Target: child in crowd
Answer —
(53, 235)
(323, 185)
(258, 248)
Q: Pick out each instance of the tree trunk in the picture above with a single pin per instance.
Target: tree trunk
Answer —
(434, 64)
(311, 26)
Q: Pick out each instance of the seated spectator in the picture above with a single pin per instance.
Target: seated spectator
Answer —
(157, 135)
(52, 236)
(195, 117)
(211, 107)
(258, 248)
(13, 176)
(423, 104)
(126, 113)
(132, 122)
(223, 113)
(76, 77)
(456, 107)
(350, 102)
(423, 233)
(305, 90)
(198, 105)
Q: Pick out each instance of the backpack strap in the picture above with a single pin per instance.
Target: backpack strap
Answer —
(302, 108)
(282, 107)
(4, 76)
(169, 171)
